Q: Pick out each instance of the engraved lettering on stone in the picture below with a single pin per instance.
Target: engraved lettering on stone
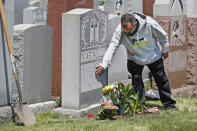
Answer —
(92, 55)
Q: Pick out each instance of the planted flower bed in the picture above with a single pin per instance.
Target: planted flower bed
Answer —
(120, 100)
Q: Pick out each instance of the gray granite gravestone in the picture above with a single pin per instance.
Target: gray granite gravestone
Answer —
(35, 3)
(116, 6)
(178, 58)
(34, 15)
(5, 70)
(169, 7)
(177, 61)
(9, 15)
(96, 4)
(191, 7)
(44, 5)
(19, 6)
(84, 41)
(117, 70)
(135, 5)
(5, 66)
(16, 7)
(33, 52)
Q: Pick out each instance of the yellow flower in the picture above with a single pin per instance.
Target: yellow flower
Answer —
(106, 88)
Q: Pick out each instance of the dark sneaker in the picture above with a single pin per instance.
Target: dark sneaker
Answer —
(172, 108)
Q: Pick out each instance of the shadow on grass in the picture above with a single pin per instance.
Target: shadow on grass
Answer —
(151, 105)
(19, 123)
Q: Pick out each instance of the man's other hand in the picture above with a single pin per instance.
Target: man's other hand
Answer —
(165, 55)
(99, 71)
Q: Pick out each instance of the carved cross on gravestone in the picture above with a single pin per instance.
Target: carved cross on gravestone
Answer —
(39, 15)
(94, 29)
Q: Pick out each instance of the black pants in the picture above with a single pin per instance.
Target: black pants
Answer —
(157, 70)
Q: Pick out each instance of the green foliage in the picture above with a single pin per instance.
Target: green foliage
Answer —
(125, 98)
(58, 101)
(183, 120)
(133, 105)
(149, 86)
(101, 3)
(104, 113)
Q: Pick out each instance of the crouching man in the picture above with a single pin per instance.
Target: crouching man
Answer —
(141, 34)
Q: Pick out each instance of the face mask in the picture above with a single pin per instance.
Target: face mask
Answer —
(135, 29)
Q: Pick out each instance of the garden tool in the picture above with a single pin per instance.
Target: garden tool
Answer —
(23, 111)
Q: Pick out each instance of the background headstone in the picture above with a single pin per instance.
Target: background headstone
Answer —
(54, 19)
(191, 7)
(34, 15)
(169, 7)
(117, 70)
(177, 52)
(135, 5)
(34, 3)
(116, 6)
(33, 52)
(84, 44)
(19, 6)
(9, 15)
(5, 66)
(96, 4)
(44, 5)
(178, 7)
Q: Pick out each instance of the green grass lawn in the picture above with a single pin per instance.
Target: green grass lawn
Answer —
(183, 120)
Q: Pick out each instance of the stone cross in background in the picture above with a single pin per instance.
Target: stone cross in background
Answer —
(35, 15)
(118, 7)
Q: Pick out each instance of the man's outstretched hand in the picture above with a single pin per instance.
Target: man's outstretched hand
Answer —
(99, 71)
(165, 55)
